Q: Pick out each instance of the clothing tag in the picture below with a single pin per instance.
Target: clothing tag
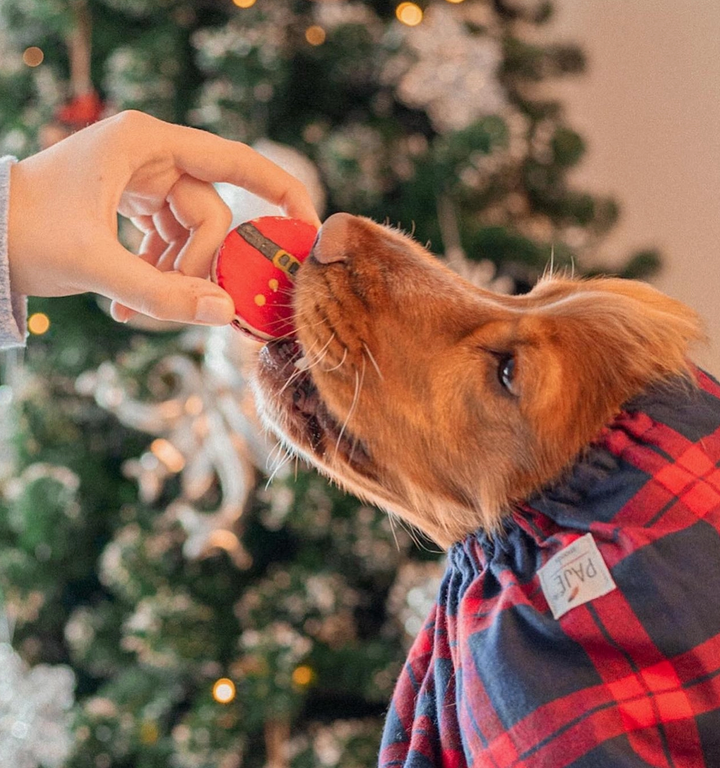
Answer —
(576, 575)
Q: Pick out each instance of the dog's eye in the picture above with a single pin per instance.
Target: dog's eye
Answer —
(506, 373)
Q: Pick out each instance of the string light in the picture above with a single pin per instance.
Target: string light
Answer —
(38, 323)
(244, 3)
(303, 675)
(224, 690)
(315, 35)
(168, 454)
(409, 13)
(33, 56)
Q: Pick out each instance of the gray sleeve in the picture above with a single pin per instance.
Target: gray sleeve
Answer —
(13, 307)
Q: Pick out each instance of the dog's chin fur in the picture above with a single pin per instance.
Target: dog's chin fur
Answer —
(404, 401)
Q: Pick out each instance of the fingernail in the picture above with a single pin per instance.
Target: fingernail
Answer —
(119, 312)
(213, 310)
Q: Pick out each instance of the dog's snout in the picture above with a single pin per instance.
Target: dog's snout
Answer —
(331, 243)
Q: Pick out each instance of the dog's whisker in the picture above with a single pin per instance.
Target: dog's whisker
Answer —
(322, 354)
(284, 321)
(277, 322)
(413, 533)
(393, 519)
(373, 361)
(335, 367)
(314, 359)
(292, 378)
(277, 467)
(359, 379)
(288, 305)
(416, 533)
(355, 444)
(282, 459)
(297, 373)
(275, 453)
(549, 270)
(309, 326)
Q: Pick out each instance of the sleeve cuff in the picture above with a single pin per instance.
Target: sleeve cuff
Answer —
(13, 306)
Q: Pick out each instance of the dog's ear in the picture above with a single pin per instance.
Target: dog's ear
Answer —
(605, 341)
(629, 334)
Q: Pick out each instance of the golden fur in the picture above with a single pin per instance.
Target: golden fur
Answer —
(403, 401)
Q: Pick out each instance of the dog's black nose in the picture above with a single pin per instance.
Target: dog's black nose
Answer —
(331, 242)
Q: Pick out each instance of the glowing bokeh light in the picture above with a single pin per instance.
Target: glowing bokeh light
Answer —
(33, 56)
(315, 35)
(303, 675)
(38, 323)
(409, 13)
(224, 690)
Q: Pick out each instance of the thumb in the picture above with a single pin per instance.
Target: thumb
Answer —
(181, 301)
(135, 285)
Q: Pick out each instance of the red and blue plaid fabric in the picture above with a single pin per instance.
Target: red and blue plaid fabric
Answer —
(628, 679)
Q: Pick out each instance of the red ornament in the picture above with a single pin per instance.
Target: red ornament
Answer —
(81, 110)
(256, 265)
(77, 113)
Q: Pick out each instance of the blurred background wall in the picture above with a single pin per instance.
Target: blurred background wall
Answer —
(649, 109)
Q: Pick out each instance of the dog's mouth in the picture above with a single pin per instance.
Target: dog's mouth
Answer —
(293, 404)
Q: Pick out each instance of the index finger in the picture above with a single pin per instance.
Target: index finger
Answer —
(211, 158)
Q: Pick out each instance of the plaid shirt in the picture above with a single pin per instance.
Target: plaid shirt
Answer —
(630, 678)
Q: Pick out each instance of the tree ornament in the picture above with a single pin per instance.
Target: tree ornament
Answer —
(34, 712)
(81, 110)
(256, 265)
(84, 106)
(447, 70)
(209, 416)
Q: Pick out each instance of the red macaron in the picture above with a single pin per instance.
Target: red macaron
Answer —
(256, 265)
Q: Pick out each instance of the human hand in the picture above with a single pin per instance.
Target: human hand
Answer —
(62, 234)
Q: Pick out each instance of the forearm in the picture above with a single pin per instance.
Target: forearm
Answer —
(12, 305)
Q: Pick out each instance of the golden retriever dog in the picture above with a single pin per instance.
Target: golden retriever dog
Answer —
(478, 418)
(446, 404)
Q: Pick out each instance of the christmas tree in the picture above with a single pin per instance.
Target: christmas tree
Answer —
(184, 594)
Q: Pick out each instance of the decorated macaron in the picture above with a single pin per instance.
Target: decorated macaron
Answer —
(256, 265)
